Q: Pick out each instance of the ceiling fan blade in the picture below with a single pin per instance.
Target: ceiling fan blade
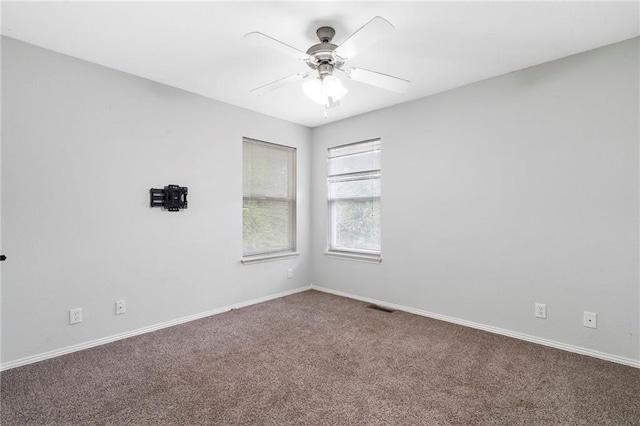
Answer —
(366, 36)
(278, 83)
(272, 43)
(377, 79)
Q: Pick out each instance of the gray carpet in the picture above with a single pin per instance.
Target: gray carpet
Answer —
(314, 358)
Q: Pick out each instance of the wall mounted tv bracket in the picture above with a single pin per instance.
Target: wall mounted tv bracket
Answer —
(172, 197)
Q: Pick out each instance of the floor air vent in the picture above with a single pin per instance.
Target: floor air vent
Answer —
(380, 308)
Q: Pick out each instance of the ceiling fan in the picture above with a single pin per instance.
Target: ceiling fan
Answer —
(325, 57)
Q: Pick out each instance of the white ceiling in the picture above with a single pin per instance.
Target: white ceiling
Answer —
(199, 46)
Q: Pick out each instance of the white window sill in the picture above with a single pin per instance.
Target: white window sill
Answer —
(267, 257)
(359, 257)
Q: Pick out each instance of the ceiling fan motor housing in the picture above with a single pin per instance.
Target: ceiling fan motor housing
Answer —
(321, 56)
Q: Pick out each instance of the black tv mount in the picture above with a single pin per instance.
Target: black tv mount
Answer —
(172, 197)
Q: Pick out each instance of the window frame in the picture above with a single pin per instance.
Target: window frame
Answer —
(273, 254)
(332, 250)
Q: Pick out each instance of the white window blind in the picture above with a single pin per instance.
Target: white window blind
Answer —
(354, 198)
(269, 203)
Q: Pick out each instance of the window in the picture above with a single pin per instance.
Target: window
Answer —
(269, 202)
(354, 200)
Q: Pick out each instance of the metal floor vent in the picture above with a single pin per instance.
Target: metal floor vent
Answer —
(380, 308)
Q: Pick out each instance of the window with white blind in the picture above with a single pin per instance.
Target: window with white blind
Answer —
(353, 181)
(269, 201)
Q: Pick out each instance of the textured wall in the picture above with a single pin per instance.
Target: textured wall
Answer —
(510, 191)
(81, 146)
(514, 190)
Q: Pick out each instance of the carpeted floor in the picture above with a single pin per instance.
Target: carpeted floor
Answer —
(314, 358)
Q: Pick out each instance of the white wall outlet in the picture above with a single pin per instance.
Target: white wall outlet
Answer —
(289, 273)
(590, 319)
(75, 315)
(121, 307)
(541, 310)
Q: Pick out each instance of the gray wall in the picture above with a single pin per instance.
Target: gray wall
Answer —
(500, 194)
(515, 190)
(81, 146)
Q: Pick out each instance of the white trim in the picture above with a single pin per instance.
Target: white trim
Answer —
(558, 345)
(267, 257)
(545, 342)
(143, 330)
(368, 258)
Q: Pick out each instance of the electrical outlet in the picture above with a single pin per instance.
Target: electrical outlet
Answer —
(290, 273)
(590, 319)
(541, 310)
(121, 307)
(75, 316)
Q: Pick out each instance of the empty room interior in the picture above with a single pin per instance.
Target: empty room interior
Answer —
(320, 213)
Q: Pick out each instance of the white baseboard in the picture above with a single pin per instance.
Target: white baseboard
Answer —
(558, 345)
(143, 330)
(496, 330)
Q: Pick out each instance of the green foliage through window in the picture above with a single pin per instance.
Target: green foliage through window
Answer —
(354, 197)
(269, 205)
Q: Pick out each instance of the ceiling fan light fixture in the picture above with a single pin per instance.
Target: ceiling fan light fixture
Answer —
(320, 90)
(313, 89)
(333, 88)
